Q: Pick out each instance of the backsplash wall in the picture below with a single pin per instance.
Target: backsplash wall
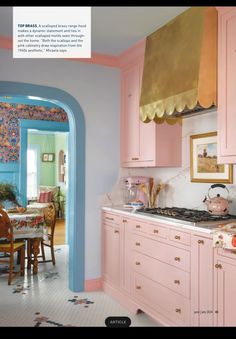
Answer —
(9, 125)
(181, 191)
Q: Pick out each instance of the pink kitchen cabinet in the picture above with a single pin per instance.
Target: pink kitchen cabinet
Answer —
(111, 250)
(226, 85)
(225, 291)
(143, 144)
(202, 312)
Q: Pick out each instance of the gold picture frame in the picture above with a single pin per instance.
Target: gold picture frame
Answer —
(203, 160)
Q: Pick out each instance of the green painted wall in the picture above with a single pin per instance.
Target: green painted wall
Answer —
(46, 143)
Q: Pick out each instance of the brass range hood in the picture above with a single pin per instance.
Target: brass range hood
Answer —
(180, 67)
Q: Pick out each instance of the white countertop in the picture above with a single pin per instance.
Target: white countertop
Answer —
(131, 213)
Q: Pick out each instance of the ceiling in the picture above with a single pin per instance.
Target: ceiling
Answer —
(114, 29)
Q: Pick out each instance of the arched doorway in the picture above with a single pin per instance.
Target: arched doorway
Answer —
(76, 169)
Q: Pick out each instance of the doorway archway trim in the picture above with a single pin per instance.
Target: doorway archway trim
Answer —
(76, 173)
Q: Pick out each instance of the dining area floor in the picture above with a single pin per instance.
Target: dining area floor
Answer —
(45, 300)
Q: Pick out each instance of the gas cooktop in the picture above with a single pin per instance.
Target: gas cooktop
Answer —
(188, 216)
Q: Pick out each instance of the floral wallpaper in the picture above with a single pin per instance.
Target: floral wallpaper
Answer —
(9, 125)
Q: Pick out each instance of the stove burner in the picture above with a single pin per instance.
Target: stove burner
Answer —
(185, 214)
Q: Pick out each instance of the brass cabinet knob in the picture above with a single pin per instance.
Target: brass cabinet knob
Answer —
(138, 226)
(177, 282)
(178, 310)
(138, 287)
(177, 237)
(218, 266)
(156, 231)
(137, 243)
(129, 95)
(124, 220)
(177, 258)
(137, 263)
(116, 231)
(200, 241)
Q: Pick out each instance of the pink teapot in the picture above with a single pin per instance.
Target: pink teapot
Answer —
(217, 205)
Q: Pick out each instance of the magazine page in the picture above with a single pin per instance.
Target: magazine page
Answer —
(117, 166)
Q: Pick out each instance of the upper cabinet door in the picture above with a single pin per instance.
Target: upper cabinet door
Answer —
(130, 129)
(143, 144)
(227, 85)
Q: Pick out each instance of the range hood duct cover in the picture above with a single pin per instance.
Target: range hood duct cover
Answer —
(180, 66)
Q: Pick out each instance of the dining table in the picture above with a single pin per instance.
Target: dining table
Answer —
(31, 226)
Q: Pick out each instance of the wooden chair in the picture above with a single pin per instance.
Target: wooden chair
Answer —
(50, 219)
(8, 246)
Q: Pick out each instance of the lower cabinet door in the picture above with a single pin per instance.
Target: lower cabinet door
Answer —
(226, 293)
(162, 300)
(111, 249)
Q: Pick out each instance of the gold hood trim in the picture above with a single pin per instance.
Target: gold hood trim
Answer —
(180, 65)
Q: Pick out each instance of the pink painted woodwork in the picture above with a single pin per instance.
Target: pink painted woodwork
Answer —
(172, 305)
(112, 258)
(180, 237)
(226, 85)
(225, 292)
(143, 144)
(177, 281)
(170, 277)
(202, 312)
(93, 285)
(171, 255)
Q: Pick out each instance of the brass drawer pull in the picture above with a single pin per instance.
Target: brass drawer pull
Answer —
(137, 263)
(218, 266)
(156, 231)
(135, 158)
(177, 237)
(138, 287)
(177, 258)
(116, 231)
(138, 226)
(178, 310)
(137, 243)
(124, 220)
(200, 241)
(177, 282)
(109, 218)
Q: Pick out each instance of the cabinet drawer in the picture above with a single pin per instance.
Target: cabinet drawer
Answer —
(180, 237)
(139, 227)
(171, 277)
(172, 305)
(226, 253)
(111, 218)
(158, 231)
(166, 253)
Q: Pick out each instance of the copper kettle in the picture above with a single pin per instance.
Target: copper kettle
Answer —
(217, 205)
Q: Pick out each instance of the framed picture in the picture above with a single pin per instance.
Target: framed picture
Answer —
(203, 160)
(48, 157)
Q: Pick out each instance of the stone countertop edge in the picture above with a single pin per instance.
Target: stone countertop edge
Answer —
(131, 213)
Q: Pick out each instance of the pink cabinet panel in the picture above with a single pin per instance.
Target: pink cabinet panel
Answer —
(130, 80)
(227, 86)
(225, 292)
(176, 280)
(166, 253)
(161, 299)
(111, 263)
(180, 237)
(202, 281)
